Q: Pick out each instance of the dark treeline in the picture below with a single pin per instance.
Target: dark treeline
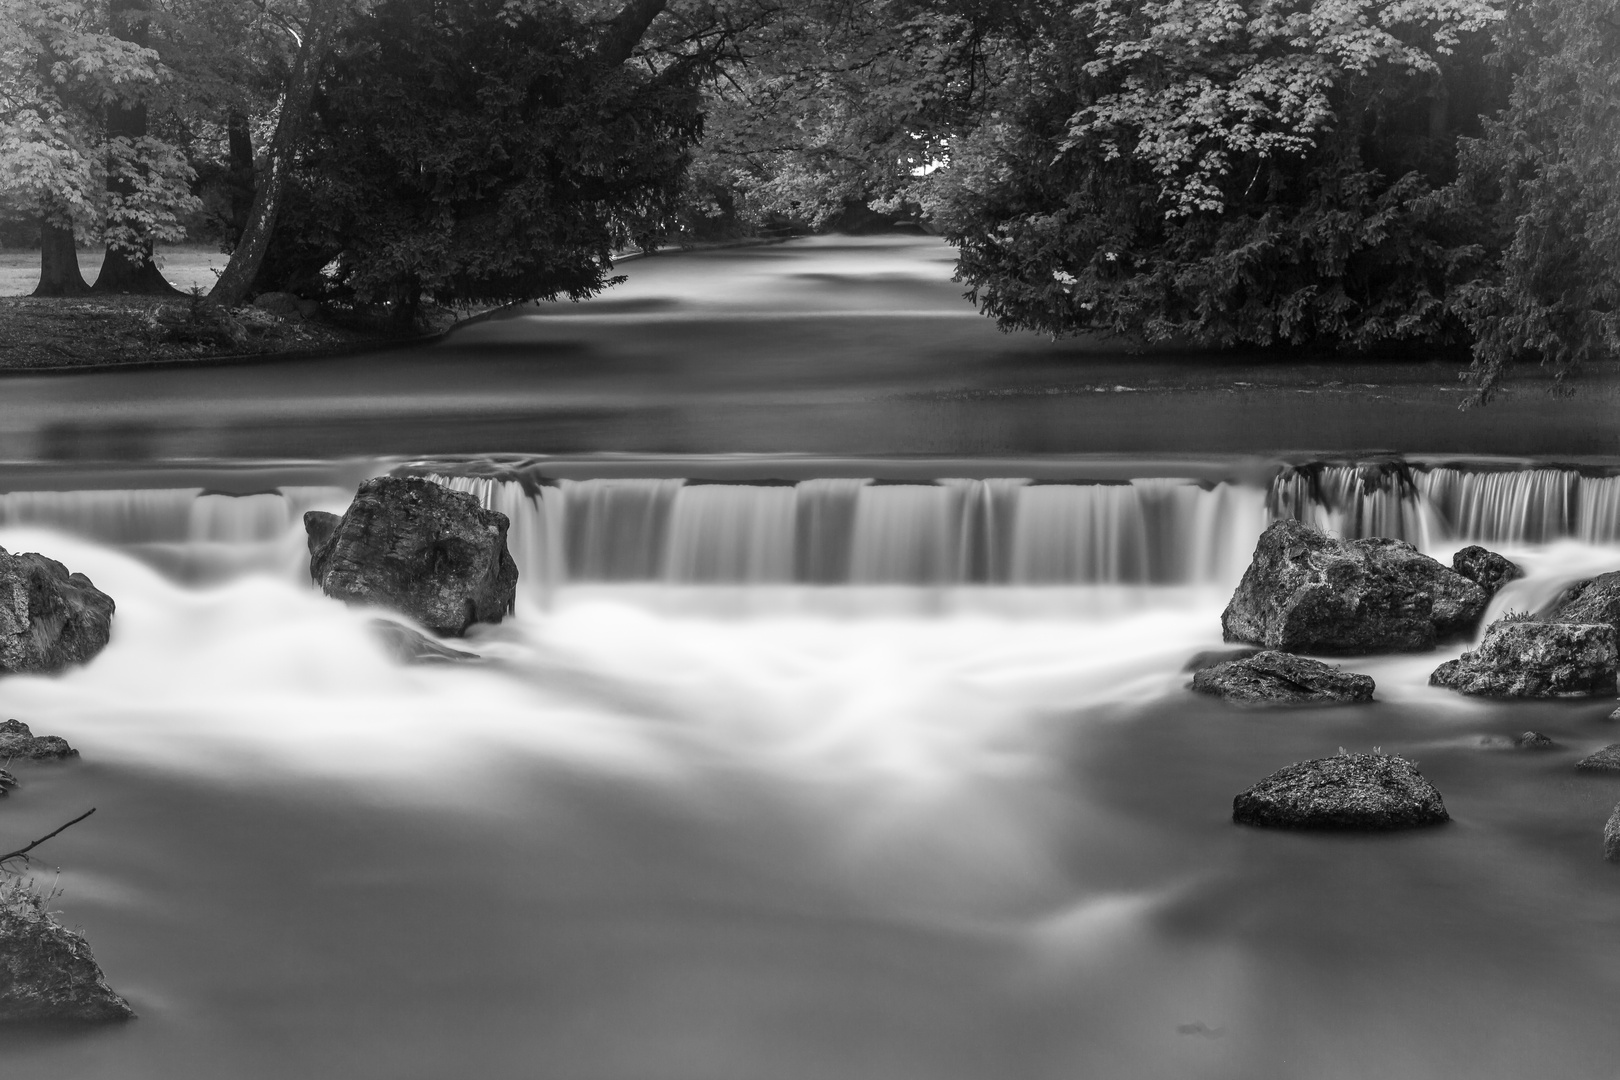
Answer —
(1431, 175)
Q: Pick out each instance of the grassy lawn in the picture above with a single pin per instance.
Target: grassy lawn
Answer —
(187, 266)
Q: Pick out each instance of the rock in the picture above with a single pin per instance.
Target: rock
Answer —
(1210, 657)
(1308, 592)
(1615, 715)
(1276, 678)
(1611, 836)
(49, 618)
(17, 741)
(319, 526)
(1350, 791)
(409, 544)
(1595, 600)
(1534, 740)
(410, 647)
(7, 782)
(1486, 569)
(1604, 760)
(1527, 658)
(46, 970)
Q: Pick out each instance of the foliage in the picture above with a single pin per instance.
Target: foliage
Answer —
(836, 104)
(1220, 172)
(482, 151)
(1547, 169)
(60, 68)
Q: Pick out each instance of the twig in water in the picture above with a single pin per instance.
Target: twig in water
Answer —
(22, 852)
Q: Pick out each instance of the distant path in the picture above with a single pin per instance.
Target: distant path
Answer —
(826, 345)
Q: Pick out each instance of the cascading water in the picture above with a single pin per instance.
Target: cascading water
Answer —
(640, 839)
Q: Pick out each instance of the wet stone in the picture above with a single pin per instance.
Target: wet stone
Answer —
(1604, 760)
(1611, 836)
(1534, 740)
(1527, 658)
(47, 972)
(1368, 792)
(18, 742)
(1486, 569)
(1276, 678)
(1308, 592)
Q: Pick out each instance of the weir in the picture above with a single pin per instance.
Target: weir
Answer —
(842, 530)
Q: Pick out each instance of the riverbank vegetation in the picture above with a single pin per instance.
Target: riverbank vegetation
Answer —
(1373, 177)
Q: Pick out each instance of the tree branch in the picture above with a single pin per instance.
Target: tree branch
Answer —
(22, 852)
(626, 29)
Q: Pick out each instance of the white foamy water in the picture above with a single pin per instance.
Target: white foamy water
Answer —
(820, 777)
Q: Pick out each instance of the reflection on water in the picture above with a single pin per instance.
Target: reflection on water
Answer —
(705, 815)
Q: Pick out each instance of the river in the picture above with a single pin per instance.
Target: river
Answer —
(821, 751)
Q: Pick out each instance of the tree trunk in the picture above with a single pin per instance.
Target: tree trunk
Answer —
(239, 178)
(123, 270)
(58, 260)
(236, 282)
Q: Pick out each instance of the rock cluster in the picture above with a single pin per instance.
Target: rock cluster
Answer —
(1526, 658)
(47, 972)
(49, 618)
(419, 548)
(1276, 678)
(1306, 591)
(1350, 791)
(18, 742)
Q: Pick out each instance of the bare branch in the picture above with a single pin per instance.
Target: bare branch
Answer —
(22, 852)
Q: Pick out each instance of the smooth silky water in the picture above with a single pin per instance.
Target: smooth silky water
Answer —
(800, 768)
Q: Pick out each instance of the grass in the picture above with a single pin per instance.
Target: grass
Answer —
(187, 266)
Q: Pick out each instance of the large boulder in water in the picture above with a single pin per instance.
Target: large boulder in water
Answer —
(1486, 569)
(1350, 791)
(1527, 658)
(419, 548)
(49, 618)
(1308, 592)
(1276, 678)
(46, 970)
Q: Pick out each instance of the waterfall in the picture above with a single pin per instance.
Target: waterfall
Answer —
(1003, 530)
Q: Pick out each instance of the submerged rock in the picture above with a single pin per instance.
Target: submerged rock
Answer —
(409, 647)
(1527, 658)
(1350, 791)
(49, 618)
(1486, 569)
(1306, 591)
(46, 970)
(1604, 760)
(1611, 836)
(1534, 740)
(1276, 678)
(409, 544)
(17, 741)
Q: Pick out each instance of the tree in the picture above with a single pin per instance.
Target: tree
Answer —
(834, 104)
(485, 151)
(325, 17)
(1548, 170)
(1220, 172)
(60, 69)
